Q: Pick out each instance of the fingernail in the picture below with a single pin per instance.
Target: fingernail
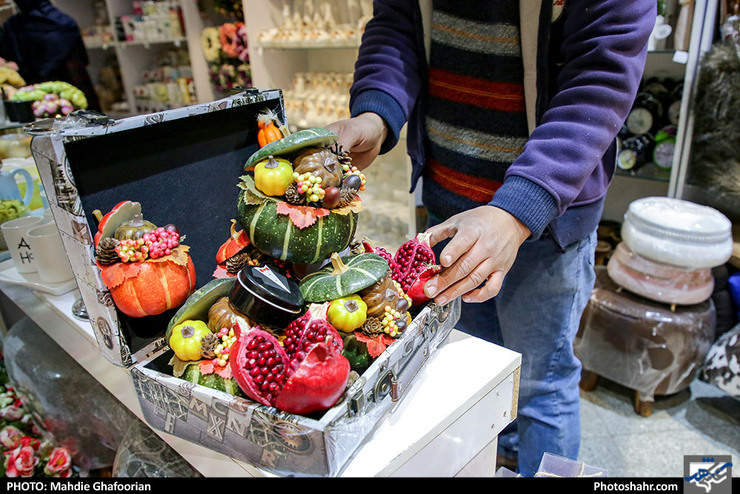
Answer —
(430, 288)
(441, 300)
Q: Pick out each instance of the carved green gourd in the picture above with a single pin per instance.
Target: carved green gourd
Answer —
(344, 276)
(275, 234)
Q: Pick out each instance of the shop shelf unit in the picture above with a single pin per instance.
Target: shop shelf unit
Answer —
(682, 66)
(135, 57)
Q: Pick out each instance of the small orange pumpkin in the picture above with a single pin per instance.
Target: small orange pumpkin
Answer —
(268, 133)
(238, 241)
(151, 287)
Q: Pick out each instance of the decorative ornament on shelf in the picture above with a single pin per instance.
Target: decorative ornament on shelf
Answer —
(52, 98)
(10, 79)
(233, 37)
(229, 8)
(210, 40)
(226, 51)
(319, 24)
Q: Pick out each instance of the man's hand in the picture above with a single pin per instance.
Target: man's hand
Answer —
(362, 136)
(483, 246)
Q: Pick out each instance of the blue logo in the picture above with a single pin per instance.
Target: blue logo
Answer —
(705, 474)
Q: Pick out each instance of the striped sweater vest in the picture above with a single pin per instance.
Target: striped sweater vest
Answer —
(475, 122)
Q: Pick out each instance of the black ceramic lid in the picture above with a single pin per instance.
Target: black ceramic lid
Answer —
(272, 285)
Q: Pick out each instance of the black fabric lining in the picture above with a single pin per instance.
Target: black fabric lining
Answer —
(185, 172)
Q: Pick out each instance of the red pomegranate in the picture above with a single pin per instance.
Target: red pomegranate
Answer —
(415, 262)
(369, 246)
(306, 374)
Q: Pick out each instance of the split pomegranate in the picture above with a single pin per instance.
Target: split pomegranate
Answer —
(306, 374)
(371, 247)
(415, 262)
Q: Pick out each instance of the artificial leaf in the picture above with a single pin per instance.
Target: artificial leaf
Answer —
(115, 274)
(179, 255)
(250, 193)
(221, 272)
(353, 207)
(178, 366)
(223, 371)
(376, 344)
(301, 216)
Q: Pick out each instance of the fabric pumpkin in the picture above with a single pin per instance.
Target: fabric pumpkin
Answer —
(151, 287)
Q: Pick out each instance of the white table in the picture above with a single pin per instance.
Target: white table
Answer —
(446, 425)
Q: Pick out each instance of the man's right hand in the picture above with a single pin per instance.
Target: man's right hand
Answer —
(362, 136)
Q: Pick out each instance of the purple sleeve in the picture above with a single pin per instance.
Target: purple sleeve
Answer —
(604, 49)
(387, 80)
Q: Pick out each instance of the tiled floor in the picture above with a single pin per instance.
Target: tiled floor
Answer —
(701, 420)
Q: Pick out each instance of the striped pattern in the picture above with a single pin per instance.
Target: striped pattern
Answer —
(277, 236)
(476, 122)
(476, 189)
(497, 38)
(474, 143)
(363, 270)
(502, 96)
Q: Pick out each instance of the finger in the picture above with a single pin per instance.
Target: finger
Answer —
(349, 137)
(463, 242)
(469, 283)
(490, 289)
(455, 271)
(440, 232)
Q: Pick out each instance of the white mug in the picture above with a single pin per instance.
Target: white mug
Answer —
(49, 254)
(15, 233)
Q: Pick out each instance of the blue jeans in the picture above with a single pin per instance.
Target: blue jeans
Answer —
(537, 314)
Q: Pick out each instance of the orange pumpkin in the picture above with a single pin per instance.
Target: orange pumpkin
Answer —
(238, 241)
(151, 287)
(267, 133)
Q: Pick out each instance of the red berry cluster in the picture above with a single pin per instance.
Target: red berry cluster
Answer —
(152, 245)
(161, 241)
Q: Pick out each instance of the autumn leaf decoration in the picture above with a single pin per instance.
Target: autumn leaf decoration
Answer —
(376, 344)
(301, 216)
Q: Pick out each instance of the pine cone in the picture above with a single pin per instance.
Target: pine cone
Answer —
(372, 326)
(292, 196)
(356, 247)
(208, 346)
(342, 154)
(346, 196)
(106, 251)
(235, 263)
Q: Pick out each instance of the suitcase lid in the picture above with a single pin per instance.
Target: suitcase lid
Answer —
(181, 165)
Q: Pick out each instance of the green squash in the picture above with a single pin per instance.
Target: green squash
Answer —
(275, 234)
(293, 143)
(356, 352)
(214, 381)
(344, 276)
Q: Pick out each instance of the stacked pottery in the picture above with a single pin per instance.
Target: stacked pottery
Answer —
(668, 249)
(651, 318)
